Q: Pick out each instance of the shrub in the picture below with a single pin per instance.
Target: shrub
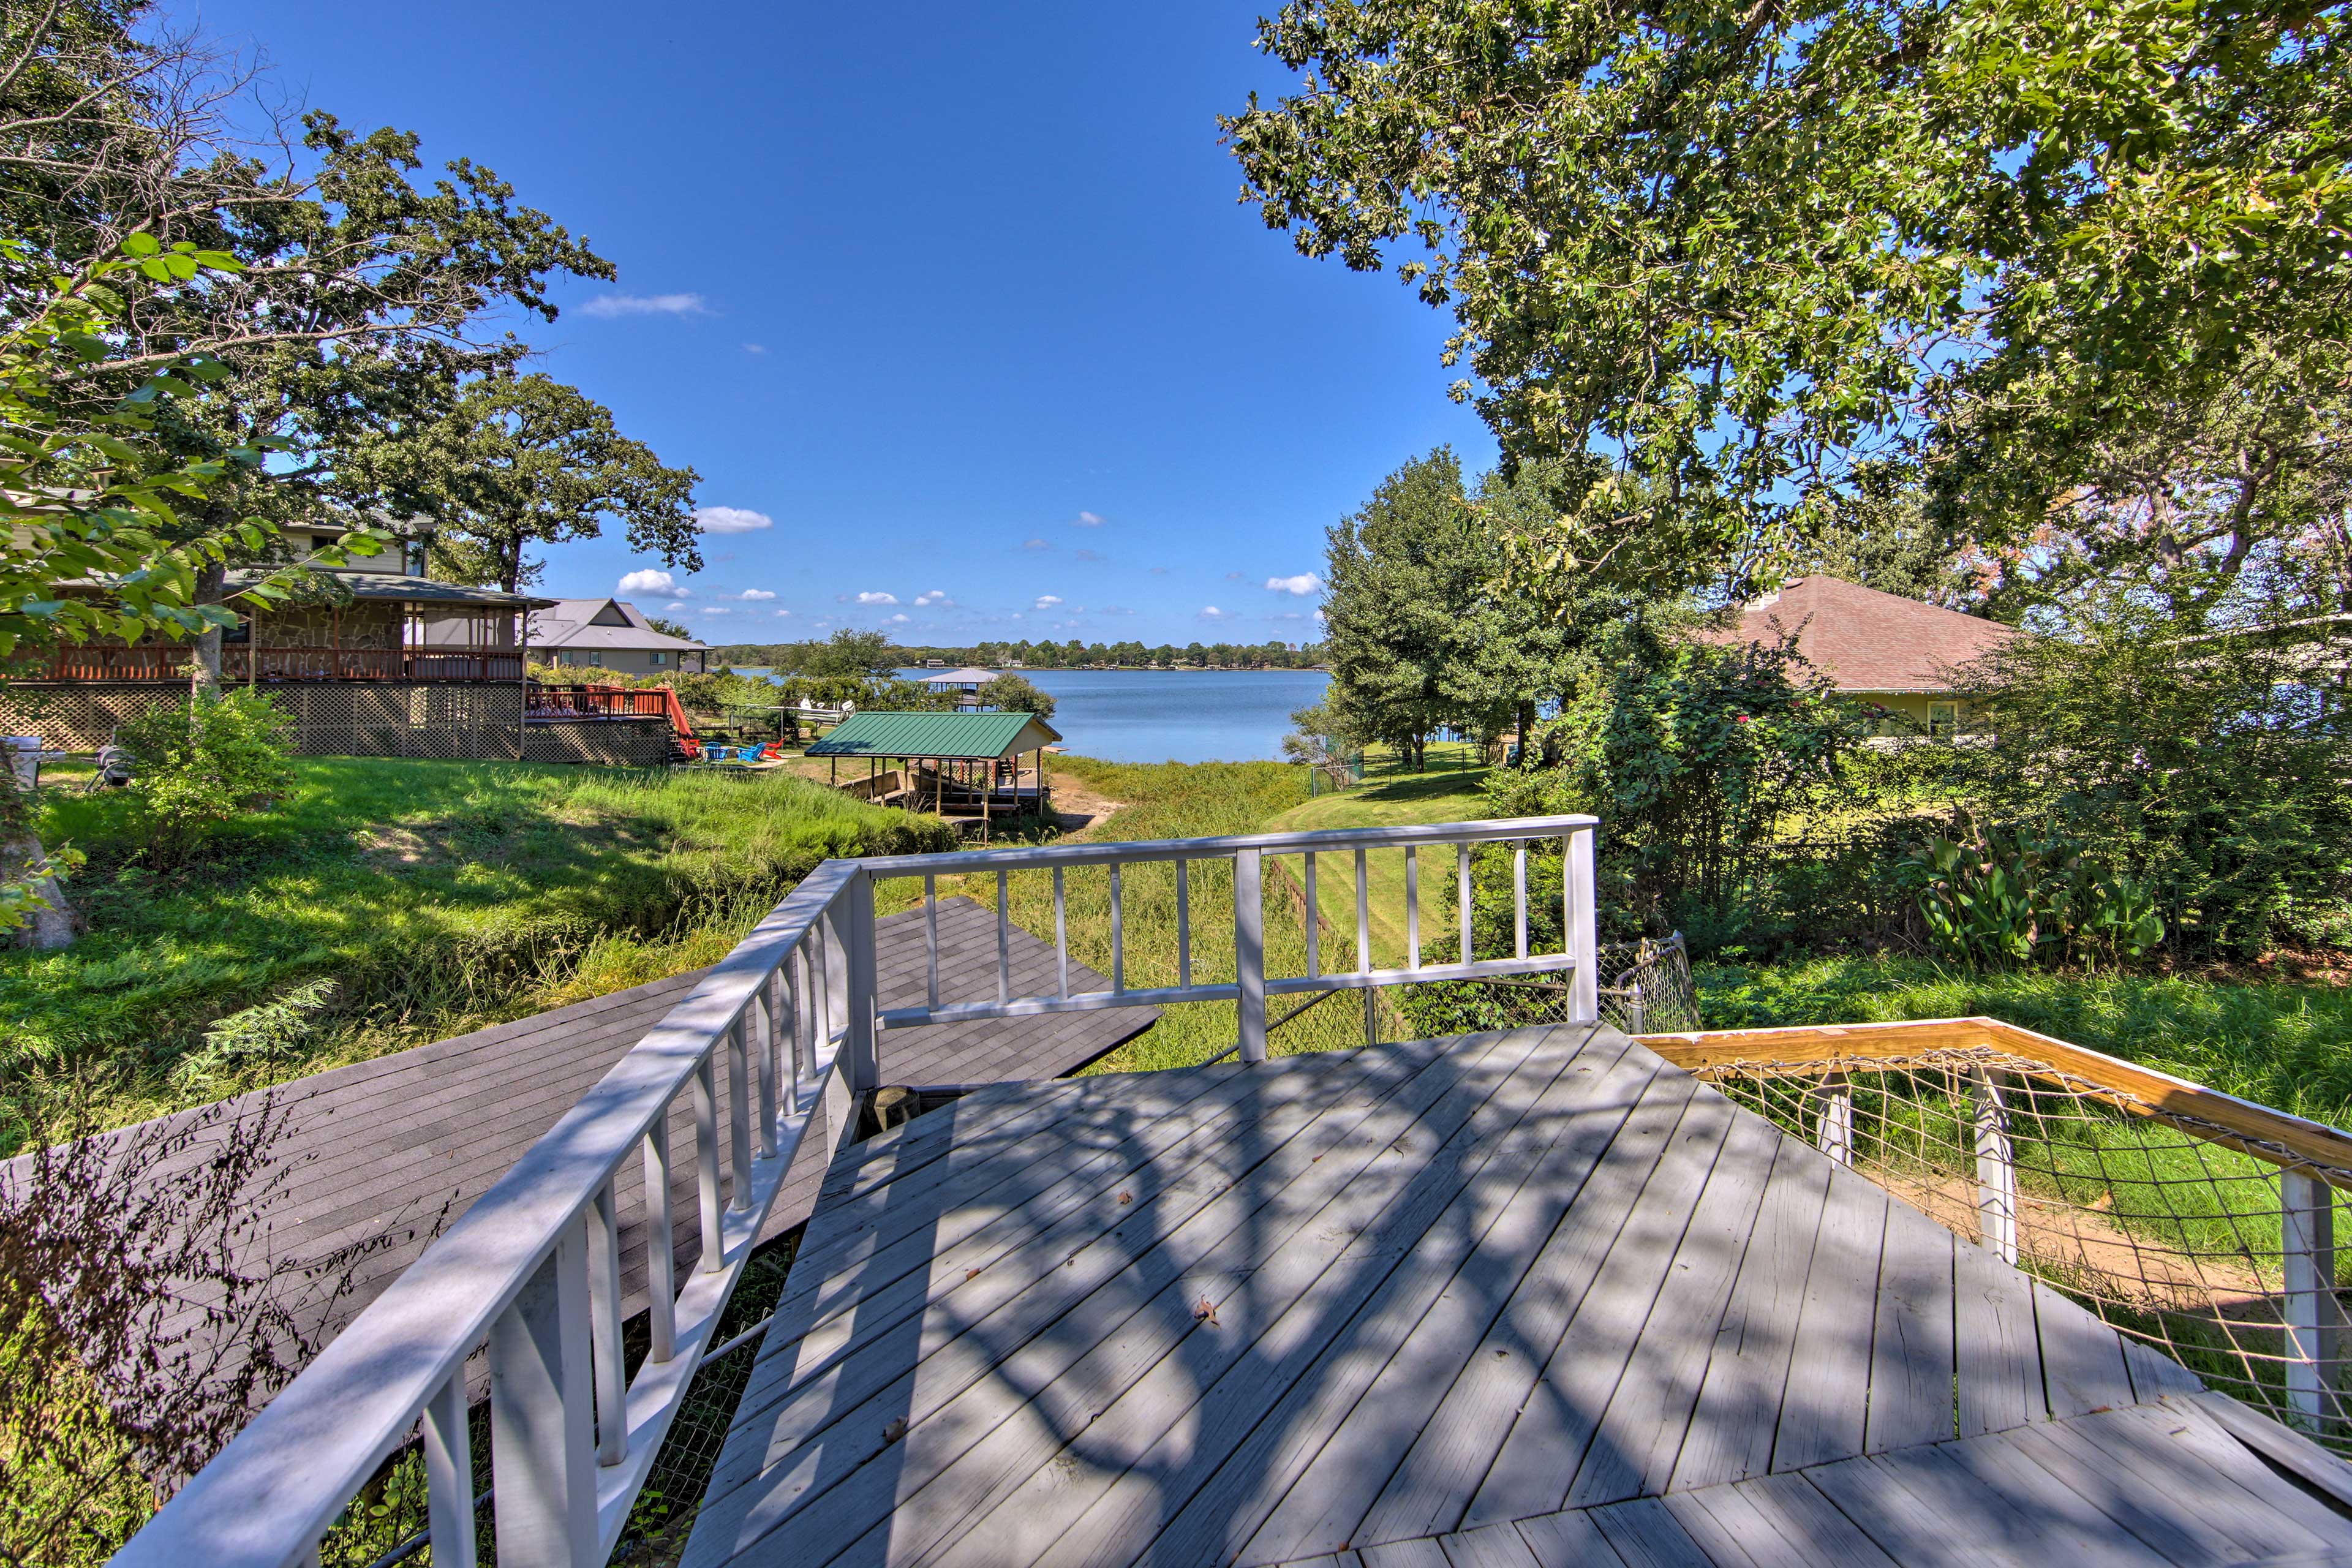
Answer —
(1698, 759)
(210, 761)
(2209, 768)
(1998, 898)
(1016, 694)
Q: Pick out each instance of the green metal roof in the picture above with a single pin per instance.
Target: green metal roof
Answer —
(935, 735)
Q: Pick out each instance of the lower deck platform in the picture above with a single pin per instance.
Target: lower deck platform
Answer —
(1534, 1298)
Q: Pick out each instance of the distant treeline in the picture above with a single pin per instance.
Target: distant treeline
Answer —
(828, 658)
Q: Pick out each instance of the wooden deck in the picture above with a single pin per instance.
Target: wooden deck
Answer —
(1512, 1300)
(383, 1149)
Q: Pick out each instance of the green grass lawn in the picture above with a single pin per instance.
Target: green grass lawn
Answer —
(434, 896)
(1438, 795)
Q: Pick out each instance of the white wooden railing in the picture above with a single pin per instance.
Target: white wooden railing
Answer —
(532, 1269)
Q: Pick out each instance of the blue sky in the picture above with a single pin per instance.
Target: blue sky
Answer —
(961, 304)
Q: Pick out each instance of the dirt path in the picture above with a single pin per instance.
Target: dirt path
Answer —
(1078, 809)
(2092, 1247)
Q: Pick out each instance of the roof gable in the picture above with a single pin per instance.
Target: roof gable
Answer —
(607, 624)
(1865, 640)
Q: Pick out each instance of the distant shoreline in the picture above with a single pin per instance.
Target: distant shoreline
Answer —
(1143, 669)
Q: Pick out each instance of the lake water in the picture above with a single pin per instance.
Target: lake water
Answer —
(1175, 715)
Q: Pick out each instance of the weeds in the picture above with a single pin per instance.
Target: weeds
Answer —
(436, 896)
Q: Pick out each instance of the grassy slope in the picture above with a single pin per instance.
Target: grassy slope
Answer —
(1173, 801)
(437, 895)
(1436, 797)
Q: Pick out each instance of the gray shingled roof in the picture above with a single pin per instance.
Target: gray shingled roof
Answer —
(565, 623)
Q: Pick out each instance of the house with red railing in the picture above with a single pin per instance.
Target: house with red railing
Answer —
(367, 655)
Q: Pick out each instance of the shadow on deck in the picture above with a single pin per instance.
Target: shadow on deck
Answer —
(1534, 1298)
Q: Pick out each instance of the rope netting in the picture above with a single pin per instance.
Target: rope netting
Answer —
(2164, 1225)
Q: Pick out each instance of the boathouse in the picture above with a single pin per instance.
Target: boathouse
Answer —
(965, 767)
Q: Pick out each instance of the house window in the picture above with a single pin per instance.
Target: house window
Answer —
(1943, 720)
(414, 550)
(658, 659)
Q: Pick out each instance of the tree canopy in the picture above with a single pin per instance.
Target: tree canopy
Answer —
(2069, 257)
(515, 461)
(1417, 636)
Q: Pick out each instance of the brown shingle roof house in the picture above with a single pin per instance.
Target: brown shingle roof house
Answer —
(1896, 652)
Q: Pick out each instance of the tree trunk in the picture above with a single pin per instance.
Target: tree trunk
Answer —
(1526, 714)
(204, 669)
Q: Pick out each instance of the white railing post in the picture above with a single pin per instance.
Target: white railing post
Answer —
(1996, 1164)
(1834, 1135)
(706, 1165)
(542, 1435)
(1584, 932)
(853, 916)
(449, 1476)
(1249, 953)
(770, 1039)
(661, 1243)
(738, 1112)
(605, 1327)
(2313, 1322)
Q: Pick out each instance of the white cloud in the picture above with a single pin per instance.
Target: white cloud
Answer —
(1236, 577)
(1046, 600)
(1306, 582)
(755, 593)
(1092, 555)
(934, 599)
(654, 585)
(730, 520)
(1085, 520)
(608, 306)
(898, 620)
(783, 614)
(1035, 545)
(713, 610)
(755, 348)
(877, 598)
(1321, 617)
(1211, 613)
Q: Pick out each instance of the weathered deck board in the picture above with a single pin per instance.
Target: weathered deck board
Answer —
(1509, 1300)
(384, 1148)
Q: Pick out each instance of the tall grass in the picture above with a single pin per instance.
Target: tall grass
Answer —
(435, 896)
(1178, 801)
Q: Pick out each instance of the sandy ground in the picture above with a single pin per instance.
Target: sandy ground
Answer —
(2084, 1245)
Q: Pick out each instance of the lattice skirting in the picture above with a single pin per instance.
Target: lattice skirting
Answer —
(387, 718)
(610, 742)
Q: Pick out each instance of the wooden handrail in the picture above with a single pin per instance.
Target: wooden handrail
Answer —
(2258, 1130)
